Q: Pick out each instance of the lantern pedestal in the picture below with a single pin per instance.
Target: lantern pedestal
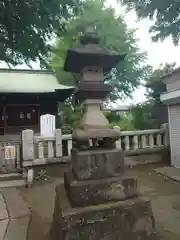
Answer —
(131, 219)
(98, 202)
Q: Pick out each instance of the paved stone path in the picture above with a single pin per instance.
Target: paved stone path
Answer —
(169, 172)
(14, 215)
(162, 191)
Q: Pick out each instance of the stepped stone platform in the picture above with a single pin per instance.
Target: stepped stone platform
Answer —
(11, 180)
(14, 215)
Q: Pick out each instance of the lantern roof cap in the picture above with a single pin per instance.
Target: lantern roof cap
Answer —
(91, 54)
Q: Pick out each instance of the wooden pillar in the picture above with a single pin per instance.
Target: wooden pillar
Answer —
(39, 115)
(5, 117)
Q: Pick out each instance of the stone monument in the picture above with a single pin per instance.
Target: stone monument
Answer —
(97, 200)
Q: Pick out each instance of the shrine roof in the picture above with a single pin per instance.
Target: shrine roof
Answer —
(30, 81)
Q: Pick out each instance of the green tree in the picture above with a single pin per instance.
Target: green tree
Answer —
(154, 86)
(71, 117)
(112, 117)
(142, 116)
(114, 35)
(125, 123)
(165, 13)
(151, 113)
(28, 25)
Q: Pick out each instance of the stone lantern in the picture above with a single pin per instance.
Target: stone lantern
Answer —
(97, 200)
(92, 62)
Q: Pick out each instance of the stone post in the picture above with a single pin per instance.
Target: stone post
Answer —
(27, 145)
(165, 128)
(58, 142)
(28, 154)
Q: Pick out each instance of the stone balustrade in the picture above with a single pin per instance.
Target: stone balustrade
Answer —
(39, 150)
(137, 140)
(140, 147)
(131, 141)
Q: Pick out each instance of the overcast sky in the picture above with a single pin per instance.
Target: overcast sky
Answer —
(161, 52)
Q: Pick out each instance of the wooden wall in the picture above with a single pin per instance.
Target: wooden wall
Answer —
(22, 111)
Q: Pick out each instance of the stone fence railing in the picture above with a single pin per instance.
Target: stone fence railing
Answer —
(140, 147)
(40, 150)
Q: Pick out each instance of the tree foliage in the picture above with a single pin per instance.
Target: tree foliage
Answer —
(155, 87)
(125, 123)
(71, 117)
(112, 117)
(114, 35)
(165, 13)
(142, 116)
(27, 25)
(152, 113)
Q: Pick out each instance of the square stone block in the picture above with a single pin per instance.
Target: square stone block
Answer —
(91, 192)
(97, 164)
(131, 219)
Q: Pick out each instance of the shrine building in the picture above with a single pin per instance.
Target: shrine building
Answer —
(25, 95)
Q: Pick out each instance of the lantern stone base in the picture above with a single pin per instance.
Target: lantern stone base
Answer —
(93, 192)
(97, 163)
(129, 219)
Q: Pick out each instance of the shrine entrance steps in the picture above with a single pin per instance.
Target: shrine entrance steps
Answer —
(11, 180)
(14, 215)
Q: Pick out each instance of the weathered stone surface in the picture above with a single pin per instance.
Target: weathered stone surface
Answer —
(16, 206)
(17, 229)
(130, 219)
(90, 192)
(10, 176)
(3, 227)
(97, 164)
(12, 184)
(84, 134)
(14, 215)
(92, 90)
(3, 210)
